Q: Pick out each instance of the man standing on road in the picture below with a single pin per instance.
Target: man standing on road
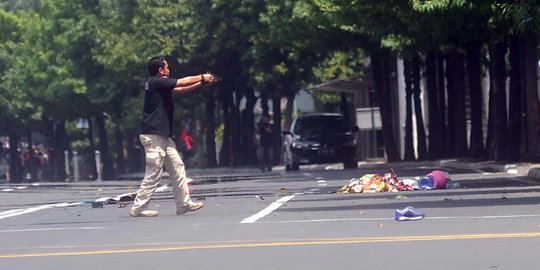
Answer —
(159, 147)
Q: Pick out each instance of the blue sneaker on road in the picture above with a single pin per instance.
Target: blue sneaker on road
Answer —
(408, 213)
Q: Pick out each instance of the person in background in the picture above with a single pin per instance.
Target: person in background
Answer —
(265, 142)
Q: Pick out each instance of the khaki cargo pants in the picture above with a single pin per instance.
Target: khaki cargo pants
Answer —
(161, 150)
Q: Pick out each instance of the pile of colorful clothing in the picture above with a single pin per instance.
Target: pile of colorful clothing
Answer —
(388, 182)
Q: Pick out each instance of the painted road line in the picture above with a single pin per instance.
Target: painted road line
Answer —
(10, 211)
(52, 229)
(12, 189)
(384, 218)
(275, 205)
(284, 243)
(322, 183)
(19, 212)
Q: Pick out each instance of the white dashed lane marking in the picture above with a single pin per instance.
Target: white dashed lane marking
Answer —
(275, 205)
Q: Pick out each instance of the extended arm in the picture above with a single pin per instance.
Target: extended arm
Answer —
(190, 83)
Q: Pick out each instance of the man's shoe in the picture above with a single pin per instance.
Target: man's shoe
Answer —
(194, 206)
(144, 213)
(408, 213)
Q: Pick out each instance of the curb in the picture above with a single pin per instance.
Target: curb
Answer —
(530, 170)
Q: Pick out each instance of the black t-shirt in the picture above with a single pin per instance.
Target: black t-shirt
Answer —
(158, 106)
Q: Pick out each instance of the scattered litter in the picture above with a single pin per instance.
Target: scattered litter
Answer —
(452, 185)
(283, 191)
(361, 212)
(122, 205)
(411, 183)
(408, 213)
(127, 197)
(505, 198)
(400, 197)
(97, 204)
(381, 225)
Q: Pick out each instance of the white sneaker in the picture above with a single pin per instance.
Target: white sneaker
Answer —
(144, 213)
(194, 206)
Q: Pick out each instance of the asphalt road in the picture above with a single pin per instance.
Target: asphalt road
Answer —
(276, 221)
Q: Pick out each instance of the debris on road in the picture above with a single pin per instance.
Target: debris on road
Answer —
(127, 197)
(370, 183)
(97, 204)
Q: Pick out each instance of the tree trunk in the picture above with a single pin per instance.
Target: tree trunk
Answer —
(237, 153)
(30, 163)
(108, 171)
(420, 129)
(450, 117)
(474, 75)
(457, 119)
(61, 144)
(91, 152)
(248, 126)
(120, 159)
(532, 104)
(264, 103)
(289, 111)
(15, 170)
(491, 152)
(225, 154)
(276, 129)
(210, 129)
(515, 109)
(436, 105)
(498, 88)
(381, 75)
(409, 145)
(443, 99)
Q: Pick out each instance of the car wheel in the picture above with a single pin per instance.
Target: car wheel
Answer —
(350, 164)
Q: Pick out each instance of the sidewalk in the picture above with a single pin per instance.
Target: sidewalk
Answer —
(531, 170)
(233, 173)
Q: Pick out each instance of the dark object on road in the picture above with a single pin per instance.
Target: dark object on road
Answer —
(97, 204)
(320, 138)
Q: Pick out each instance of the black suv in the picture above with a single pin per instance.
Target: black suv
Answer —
(319, 138)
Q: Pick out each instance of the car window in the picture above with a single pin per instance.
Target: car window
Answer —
(317, 125)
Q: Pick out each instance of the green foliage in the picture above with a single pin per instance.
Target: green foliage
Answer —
(340, 65)
(64, 59)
